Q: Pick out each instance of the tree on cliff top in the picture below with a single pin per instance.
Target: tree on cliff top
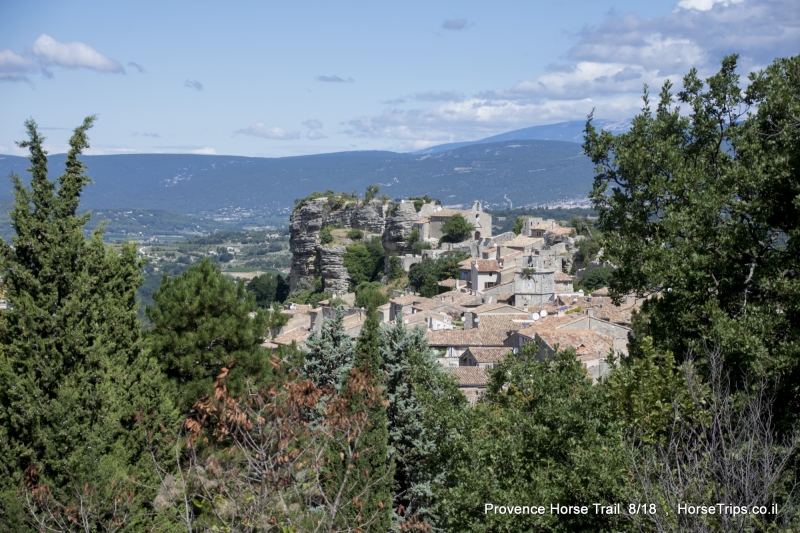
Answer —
(457, 227)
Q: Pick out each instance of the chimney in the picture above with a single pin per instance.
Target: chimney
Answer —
(590, 312)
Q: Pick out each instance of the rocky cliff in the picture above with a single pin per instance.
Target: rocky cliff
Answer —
(311, 259)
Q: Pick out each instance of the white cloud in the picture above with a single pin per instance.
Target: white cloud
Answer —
(206, 150)
(315, 135)
(259, 129)
(705, 5)
(14, 67)
(609, 65)
(72, 55)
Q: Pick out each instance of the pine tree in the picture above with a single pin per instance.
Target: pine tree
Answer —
(77, 392)
(204, 321)
(330, 353)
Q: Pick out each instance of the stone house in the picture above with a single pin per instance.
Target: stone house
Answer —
(430, 227)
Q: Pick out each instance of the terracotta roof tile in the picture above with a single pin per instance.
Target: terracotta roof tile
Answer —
(585, 342)
(559, 230)
(469, 376)
(488, 355)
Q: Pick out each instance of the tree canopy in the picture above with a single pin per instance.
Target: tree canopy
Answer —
(701, 208)
(457, 227)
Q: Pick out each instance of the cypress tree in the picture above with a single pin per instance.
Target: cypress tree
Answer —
(77, 392)
(372, 471)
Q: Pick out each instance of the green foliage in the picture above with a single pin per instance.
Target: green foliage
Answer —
(587, 250)
(268, 288)
(330, 353)
(583, 226)
(542, 436)
(644, 392)
(430, 287)
(519, 223)
(336, 200)
(699, 203)
(364, 262)
(444, 267)
(413, 236)
(419, 201)
(275, 319)
(422, 399)
(372, 466)
(384, 199)
(304, 294)
(396, 267)
(355, 234)
(372, 192)
(419, 246)
(457, 227)
(370, 294)
(325, 235)
(74, 378)
(597, 278)
(419, 272)
(202, 323)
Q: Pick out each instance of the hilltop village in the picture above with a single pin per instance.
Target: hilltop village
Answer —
(508, 289)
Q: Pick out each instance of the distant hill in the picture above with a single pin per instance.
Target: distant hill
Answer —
(515, 172)
(563, 131)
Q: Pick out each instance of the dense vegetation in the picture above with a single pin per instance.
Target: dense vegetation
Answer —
(194, 426)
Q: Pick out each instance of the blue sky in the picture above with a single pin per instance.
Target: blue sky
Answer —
(293, 78)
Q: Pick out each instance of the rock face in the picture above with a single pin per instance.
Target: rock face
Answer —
(311, 259)
(304, 227)
(334, 273)
(398, 228)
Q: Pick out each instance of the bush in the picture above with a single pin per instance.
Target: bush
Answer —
(457, 227)
(325, 236)
(597, 278)
(355, 234)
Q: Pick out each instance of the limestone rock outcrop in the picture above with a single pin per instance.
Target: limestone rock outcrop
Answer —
(334, 273)
(398, 228)
(311, 259)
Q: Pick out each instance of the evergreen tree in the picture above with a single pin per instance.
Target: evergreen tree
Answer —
(372, 470)
(77, 392)
(330, 353)
(421, 398)
(698, 204)
(204, 321)
(430, 288)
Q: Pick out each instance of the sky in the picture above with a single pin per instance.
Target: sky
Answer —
(275, 79)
